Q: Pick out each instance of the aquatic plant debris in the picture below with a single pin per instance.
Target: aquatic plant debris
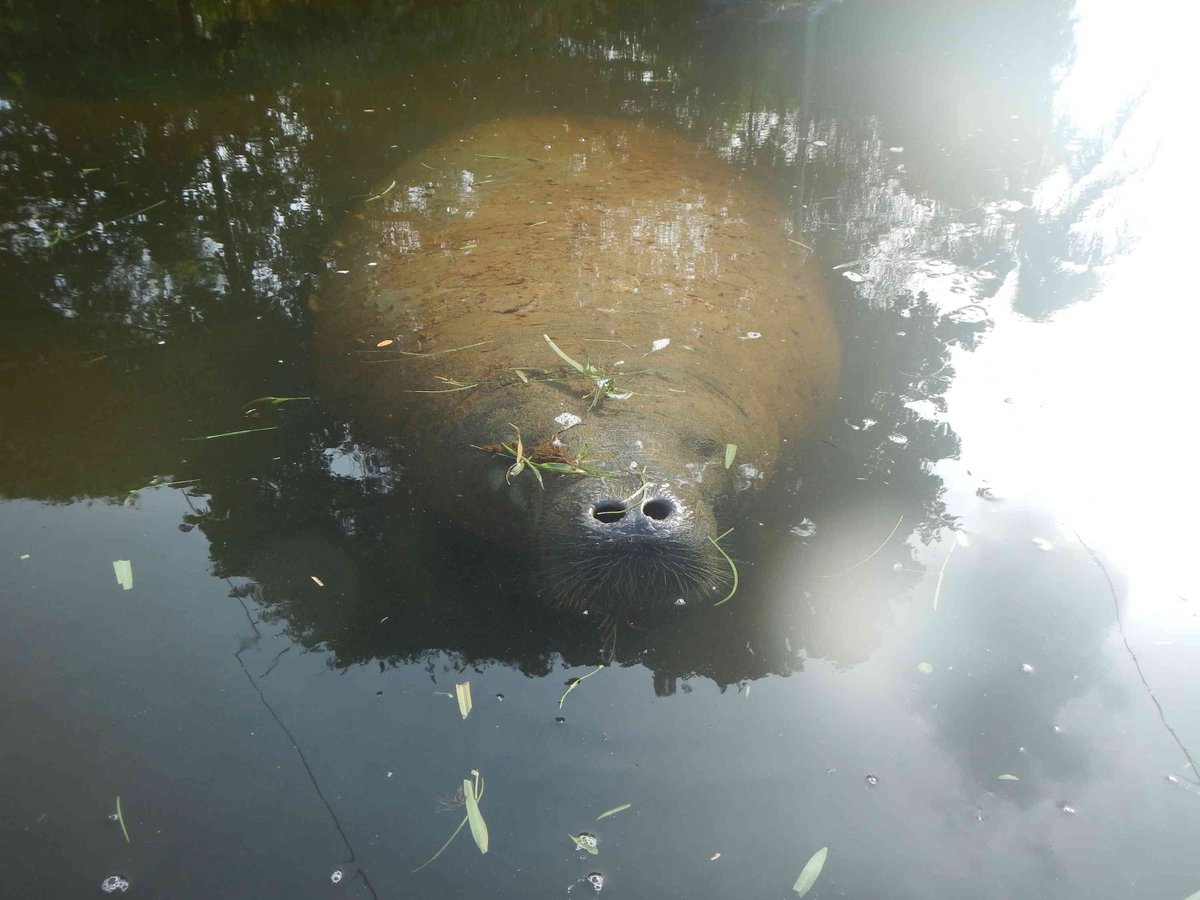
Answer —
(472, 793)
(123, 569)
(475, 793)
(810, 872)
(605, 385)
(732, 568)
(225, 434)
(462, 693)
(121, 820)
(585, 841)
(613, 811)
(730, 453)
(1007, 777)
(924, 668)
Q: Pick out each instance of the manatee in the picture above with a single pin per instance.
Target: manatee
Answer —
(561, 330)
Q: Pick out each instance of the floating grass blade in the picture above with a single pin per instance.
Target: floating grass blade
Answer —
(123, 569)
(810, 872)
(225, 434)
(479, 829)
(462, 693)
(730, 453)
(443, 847)
(121, 819)
(381, 193)
(732, 567)
(273, 401)
(613, 811)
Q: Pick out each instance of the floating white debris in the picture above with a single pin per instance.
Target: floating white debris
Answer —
(660, 343)
(854, 277)
(343, 271)
(567, 420)
(806, 528)
(925, 668)
(337, 875)
(898, 439)
(751, 336)
(123, 569)
(1042, 544)
(820, 143)
(895, 149)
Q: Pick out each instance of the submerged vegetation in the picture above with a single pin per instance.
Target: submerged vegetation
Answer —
(548, 456)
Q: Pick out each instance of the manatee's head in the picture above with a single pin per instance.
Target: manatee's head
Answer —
(624, 544)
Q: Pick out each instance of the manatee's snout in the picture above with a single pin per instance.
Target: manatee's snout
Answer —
(651, 549)
(644, 517)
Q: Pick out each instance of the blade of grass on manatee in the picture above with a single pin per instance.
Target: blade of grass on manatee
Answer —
(730, 453)
(225, 434)
(570, 362)
(810, 872)
(613, 811)
(123, 569)
(475, 817)
(732, 567)
(463, 693)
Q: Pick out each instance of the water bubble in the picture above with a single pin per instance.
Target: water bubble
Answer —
(679, 601)
(114, 884)
(872, 780)
(863, 424)
(1067, 808)
(586, 840)
(560, 720)
(1026, 667)
(336, 876)
(596, 880)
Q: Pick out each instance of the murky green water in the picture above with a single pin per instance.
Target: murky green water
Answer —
(978, 566)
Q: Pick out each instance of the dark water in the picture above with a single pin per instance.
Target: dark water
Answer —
(979, 565)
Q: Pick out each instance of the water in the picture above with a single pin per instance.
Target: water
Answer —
(991, 575)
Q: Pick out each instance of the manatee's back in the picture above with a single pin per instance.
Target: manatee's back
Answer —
(604, 234)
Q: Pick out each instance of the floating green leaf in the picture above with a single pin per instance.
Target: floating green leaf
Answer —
(613, 811)
(474, 816)
(585, 841)
(1007, 777)
(730, 453)
(123, 569)
(810, 872)
(924, 668)
(463, 693)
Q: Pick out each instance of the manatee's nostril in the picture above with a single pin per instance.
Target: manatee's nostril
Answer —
(608, 511)
(658, 508)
